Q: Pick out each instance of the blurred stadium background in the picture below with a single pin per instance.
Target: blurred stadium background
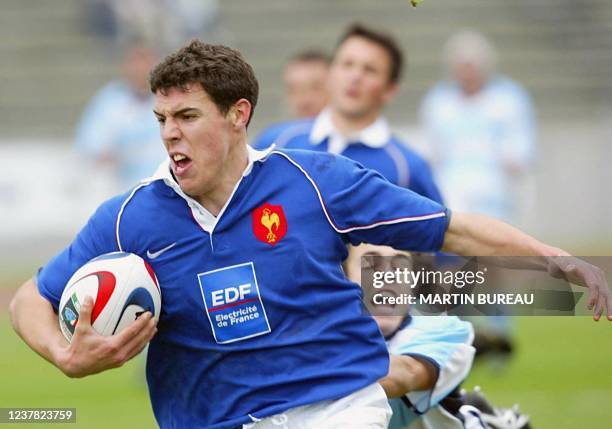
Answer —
(51, 63)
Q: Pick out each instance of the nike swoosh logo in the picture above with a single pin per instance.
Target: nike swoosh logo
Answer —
(153, 255)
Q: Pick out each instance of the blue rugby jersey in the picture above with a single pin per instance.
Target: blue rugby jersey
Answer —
(389, 156)
(257, 315)
(281, 132)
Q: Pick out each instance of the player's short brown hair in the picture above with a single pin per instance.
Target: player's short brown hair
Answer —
(310, 56)
(382, 39)
(221, 71)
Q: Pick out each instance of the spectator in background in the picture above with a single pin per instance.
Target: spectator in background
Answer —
(305, 82)
(481, 128)
(117, 128)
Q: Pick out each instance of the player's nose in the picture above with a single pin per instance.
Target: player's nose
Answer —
(170, 131)
(354, 74)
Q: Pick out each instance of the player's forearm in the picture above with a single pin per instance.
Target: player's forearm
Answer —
(35, 321)
(477, 235)
(407, 374)
(474, 235)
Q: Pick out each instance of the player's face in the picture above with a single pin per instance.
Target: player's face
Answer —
(305, 86)
(388, 317)
(198, 138)
(359, 82)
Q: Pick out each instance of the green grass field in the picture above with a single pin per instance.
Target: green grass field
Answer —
(561, 375)
(115, 399)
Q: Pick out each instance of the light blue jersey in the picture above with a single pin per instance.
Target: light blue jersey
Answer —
(481, 144)
(444, 341)
(118, 124)
(257, 314)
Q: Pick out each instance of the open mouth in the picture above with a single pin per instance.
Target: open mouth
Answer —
(180, 163)
(352, 93)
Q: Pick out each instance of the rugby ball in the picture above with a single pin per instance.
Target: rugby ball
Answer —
(122, 285)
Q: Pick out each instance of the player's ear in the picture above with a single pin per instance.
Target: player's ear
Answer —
(240, 113)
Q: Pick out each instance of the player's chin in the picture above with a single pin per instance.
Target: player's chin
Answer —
(388, 324)
(353, 108)
(188, 185)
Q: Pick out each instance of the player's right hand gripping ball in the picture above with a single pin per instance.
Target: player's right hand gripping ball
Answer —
(122, 285)
(415, 3)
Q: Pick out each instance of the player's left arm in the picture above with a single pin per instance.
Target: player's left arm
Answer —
(408, 374)
(477, 235)
(365, 208)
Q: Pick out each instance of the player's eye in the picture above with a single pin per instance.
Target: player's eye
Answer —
(346, 64)
(161, 120)
(373, 261)
(371, 70)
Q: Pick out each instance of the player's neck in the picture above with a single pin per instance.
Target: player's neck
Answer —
(236, 163)
(348, 125)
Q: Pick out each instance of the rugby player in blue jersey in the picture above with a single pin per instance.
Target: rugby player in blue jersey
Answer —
(364, 76)
(305, 83)
(220, 219)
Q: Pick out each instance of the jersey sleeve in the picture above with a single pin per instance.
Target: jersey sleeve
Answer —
(364, 206)
(96, 237)
(445, 342)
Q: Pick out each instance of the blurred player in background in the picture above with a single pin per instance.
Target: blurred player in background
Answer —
(481, 130)
(305, 83)
(117, 130)
(305, 80)
(364, 76)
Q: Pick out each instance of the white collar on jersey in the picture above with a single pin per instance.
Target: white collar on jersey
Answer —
(376, 135)
(206, 220)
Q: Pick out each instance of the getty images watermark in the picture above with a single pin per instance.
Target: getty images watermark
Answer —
(477, 286)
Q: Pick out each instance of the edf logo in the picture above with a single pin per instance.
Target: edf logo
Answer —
(230, 294)
(233, 304)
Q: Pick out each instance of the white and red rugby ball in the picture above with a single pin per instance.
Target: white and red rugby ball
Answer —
(122, 286)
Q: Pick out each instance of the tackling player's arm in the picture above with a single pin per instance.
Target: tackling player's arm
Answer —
(476, 235)
(36, 322)
(408, 374)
